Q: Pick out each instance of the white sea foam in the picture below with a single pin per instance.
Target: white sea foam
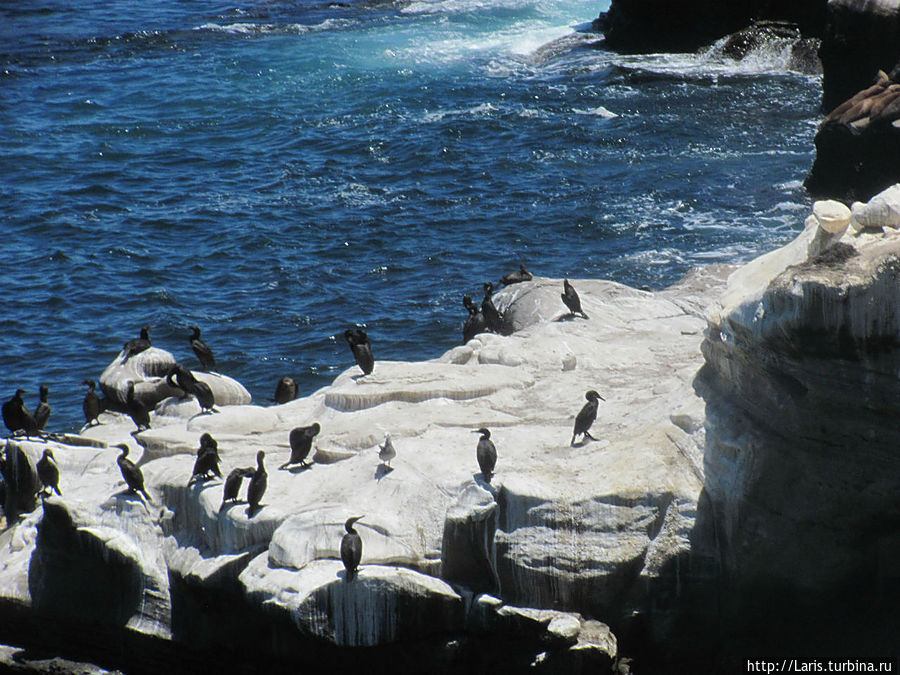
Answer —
(599, 111)
(249, 28)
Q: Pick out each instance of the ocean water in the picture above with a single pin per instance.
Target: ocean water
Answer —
(279, 171)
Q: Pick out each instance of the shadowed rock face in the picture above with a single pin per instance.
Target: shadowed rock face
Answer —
(662, 25)
(802, 454)
(861, 37)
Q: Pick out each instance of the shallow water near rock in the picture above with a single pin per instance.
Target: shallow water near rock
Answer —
(278, 172)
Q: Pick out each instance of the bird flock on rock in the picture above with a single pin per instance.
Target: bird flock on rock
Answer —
(481, 318)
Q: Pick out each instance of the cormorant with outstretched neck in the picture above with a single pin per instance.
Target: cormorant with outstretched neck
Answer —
(258, 482)
(137, 345)
(516, 277)
(233, 485)
(136, 410)
(201, 349)
(587, 415)
(571, 299)
(361, 348)
(387, 452)
(91, 404)
(207, 461)
(133, 476)
(285, 390)
(301, 440)
(42, 412)
(17, 417)
(351, 548)
(475, 322)
(486, 453)
(48, 472)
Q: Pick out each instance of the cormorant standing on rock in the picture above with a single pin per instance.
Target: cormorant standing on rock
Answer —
(586, 416)
(351, 548)
(201, 349)
(516, 277)
(207, 461)
(361, 348)
(180, 377)
(42, 412)
(137, 345)
(48, 472)
(91, 404)
(387, 452)
(205, 397)
(491, 315)
(16, 415)
(136, 410)
(285, 390)
(301, 440)
(571, 299)
(486, 454)
(475, 323)
(131, 473)
(257, 487)
(233, 485)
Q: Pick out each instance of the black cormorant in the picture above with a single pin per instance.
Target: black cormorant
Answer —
(351, 548)
(571, 299)
(137, 345)
(285, 390)
(516, 277)
(205, 397)
(201, 349)
(587, 415)
(233, 485)
(486, 454)
(131, 473)
(387, 452)
(475, 322)
(361, 348)
(301, 440)
(207, 461)
(136, 410)
(48, 472)
(257, 487)
(17, 417)
(179, 377)
(91, 404)
(42, 412)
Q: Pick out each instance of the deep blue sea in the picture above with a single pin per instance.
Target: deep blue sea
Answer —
(278, 171)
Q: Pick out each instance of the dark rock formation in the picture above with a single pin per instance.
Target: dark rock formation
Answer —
(858, 144)
(662, 25)
(861, 37)
(773, 36)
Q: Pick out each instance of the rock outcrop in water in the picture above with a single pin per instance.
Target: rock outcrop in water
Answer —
(861, 37)
(782, 477)
(858, 144)
(662, 25)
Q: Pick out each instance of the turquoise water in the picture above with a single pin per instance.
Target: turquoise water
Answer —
(280, 171)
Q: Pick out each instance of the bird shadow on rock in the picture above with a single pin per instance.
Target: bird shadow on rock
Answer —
(297, 468)
(570, 316)
(252, 512)
(382, 470)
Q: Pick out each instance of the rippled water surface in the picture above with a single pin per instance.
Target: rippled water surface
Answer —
(277, 172)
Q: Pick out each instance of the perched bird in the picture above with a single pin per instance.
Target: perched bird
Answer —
(571, 299)
(17, 417)
(351, 548)
(136, 410)
(516, 277)
(48, 472)
(207, 461)
(91, 404)
(205, 397)
(387, 452)
(257, 487)
(361, 348)
(491, 316)
(137, 345)
(179, 377)
(475, 322)
(301, 440)
(587, 415)
(486, 454)
(201, 349)
(131, 473)
(233, 485)
(285, 390)
(42, 412)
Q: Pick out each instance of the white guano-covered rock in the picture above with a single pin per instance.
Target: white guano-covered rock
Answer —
(883, 210)
(832, 216)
